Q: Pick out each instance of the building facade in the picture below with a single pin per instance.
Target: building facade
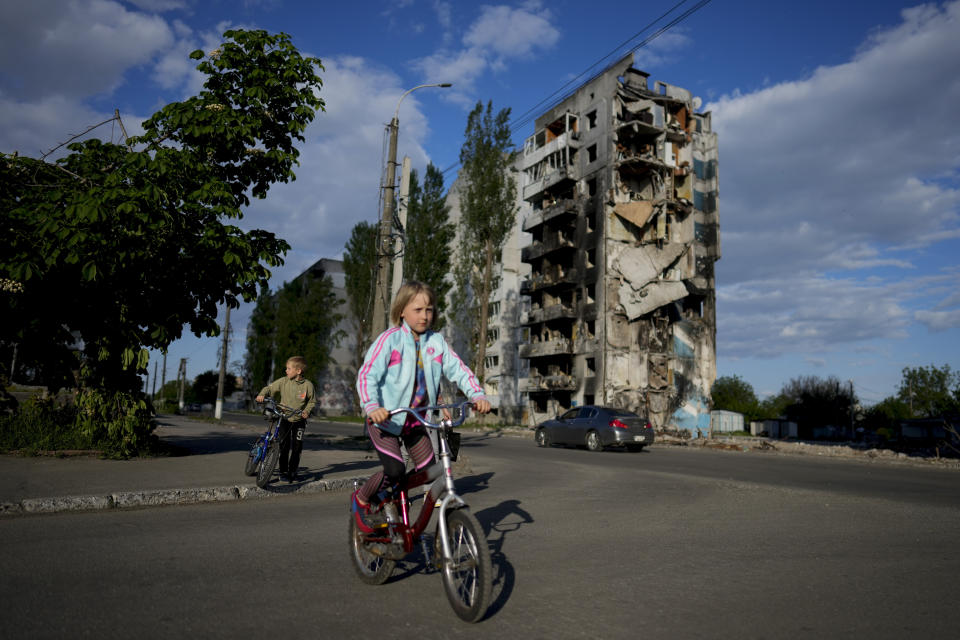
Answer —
(619, 195)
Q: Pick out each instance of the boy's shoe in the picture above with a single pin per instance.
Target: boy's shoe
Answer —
(367, 519)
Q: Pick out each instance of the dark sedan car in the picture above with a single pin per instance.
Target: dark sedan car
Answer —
(596, 428)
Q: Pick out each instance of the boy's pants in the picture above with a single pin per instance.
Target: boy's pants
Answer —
(291, 446)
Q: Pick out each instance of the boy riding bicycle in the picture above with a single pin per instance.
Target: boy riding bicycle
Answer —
(403, 367)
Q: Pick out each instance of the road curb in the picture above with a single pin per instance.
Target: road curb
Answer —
(170, 497)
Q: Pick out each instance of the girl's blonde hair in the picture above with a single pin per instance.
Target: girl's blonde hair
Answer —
(408, 291)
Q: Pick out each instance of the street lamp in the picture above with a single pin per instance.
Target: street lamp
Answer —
(380, 304)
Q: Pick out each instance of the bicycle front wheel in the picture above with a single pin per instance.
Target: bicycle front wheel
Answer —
(254, 456)
(371, 567)
(270, 458)
(468, 574)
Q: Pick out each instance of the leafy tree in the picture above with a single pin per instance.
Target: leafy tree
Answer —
(488, 207)
(205, 385)
(131, 241)
(359, 264)
(258, 359)
(306, 323)
(430, 237)
(929, 392)
(818, 402)
(297, 320)
(884, 416)
(773, 407)
(733, 393)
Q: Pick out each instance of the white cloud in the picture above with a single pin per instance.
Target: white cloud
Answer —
(939, 320)
(659, 50)
(159, 5)
(506, 32)
(500, 34)
(839, 170)
(341, 162)
(75, 49)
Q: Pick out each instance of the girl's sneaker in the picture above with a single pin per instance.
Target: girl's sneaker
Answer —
(367, 518)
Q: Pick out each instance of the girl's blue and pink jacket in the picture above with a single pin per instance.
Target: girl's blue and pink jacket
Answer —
(389, 370)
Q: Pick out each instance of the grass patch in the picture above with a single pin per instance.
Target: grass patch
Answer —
(41, 425)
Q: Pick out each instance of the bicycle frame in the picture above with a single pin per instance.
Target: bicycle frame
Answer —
(276, 412)
(410, 535)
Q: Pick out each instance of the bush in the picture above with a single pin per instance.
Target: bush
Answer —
(39, 424)
(117, 424)
(121, 423)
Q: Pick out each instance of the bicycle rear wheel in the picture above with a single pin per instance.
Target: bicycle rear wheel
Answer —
(468, 575)
(372, 568)
(270, 458)
(254, 456)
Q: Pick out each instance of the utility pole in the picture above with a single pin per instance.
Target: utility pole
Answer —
(402, 215)
(380, 304)
(218, 412)
(182, 377)
(153, 394)
(163, 381)
(852, 434)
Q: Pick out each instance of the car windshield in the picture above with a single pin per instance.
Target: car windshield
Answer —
(623, 412)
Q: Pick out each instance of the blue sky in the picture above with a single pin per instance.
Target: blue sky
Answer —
(839, 144)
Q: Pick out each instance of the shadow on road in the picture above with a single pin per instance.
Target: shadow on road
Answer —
(497, 522)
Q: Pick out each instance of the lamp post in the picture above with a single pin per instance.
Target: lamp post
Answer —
(381, 290)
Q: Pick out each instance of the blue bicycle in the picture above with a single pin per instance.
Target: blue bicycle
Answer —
(265, 452)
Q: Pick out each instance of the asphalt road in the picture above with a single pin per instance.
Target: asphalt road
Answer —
(667, 543)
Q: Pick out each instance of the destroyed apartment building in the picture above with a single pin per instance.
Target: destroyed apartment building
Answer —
(620, 204)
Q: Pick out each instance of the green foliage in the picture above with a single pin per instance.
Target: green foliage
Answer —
(430, 235)
(205, 386)
(306, 323)
(129, 240)
(882, 418)
(359, 264)
(40, 424)
(488, 208)
(818, 402)
(298, 320)
(117, 247)
(119, 422)
(773, 407)
(930, 392)
(733, 393)
(258, 359)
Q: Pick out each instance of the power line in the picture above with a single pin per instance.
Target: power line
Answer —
(520, 118)
(528, 115)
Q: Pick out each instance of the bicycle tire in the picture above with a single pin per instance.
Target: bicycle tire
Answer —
(468, 575)
(253, 457)
(270, 458)
(370, 567)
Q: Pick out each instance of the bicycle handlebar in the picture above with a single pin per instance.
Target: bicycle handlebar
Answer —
(281, 409)
(420, 413)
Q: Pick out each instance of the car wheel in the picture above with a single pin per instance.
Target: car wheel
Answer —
(593, 441)
(542, 439)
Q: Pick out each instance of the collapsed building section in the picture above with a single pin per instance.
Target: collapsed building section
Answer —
(620, 192)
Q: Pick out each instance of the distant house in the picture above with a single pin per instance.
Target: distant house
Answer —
(723, 421)
(929, 431)
(774, 428)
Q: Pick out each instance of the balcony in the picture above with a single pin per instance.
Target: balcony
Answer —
(560, 346)
(552, 241)
(548, 383)
(552, 312)
(559, 208)
(562, 177)
(555, 276)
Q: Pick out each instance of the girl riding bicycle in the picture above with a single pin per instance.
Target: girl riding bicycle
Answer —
(403, 367)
